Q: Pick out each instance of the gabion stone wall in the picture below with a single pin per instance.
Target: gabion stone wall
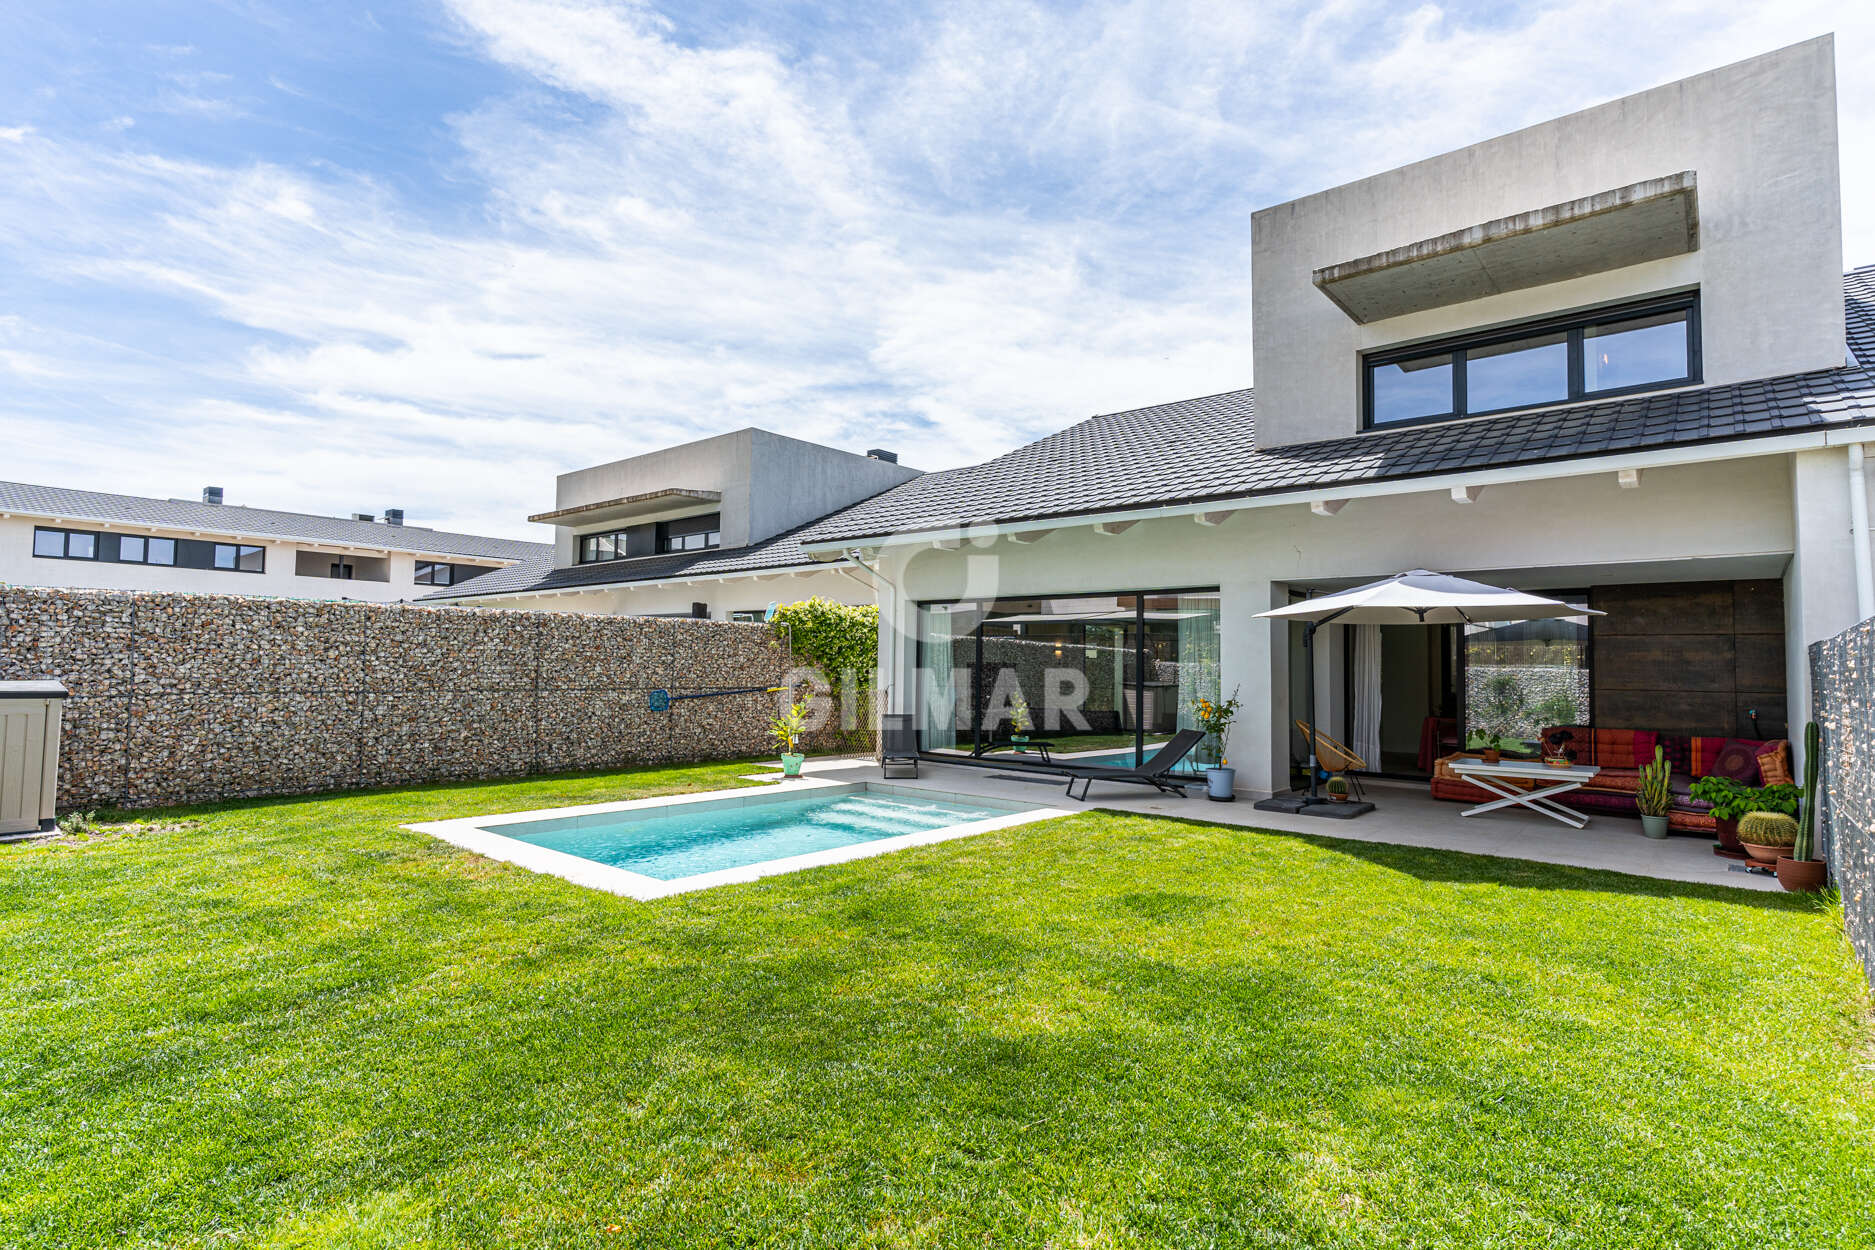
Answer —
(186, 698)
(1842, 693)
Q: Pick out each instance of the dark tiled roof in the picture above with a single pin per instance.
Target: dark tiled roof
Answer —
(232, 520)
(1199, 449)
(538, 574)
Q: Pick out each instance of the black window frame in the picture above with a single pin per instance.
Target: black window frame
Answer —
(239, 549)
(1140, 659)
(428, 569)
(1572, 326)
(618, 547)
(712, 533)
(65, 543)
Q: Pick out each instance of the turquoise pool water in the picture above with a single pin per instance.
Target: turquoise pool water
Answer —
(703, 837)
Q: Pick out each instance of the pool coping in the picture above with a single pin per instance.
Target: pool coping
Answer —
(478, 834)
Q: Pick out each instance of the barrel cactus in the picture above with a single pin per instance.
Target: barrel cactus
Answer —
(1805, 846)
(1767, 829)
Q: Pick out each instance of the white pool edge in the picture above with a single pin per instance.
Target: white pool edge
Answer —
(476, 834)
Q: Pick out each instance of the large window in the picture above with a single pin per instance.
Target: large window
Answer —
(63, 544)
(691, 533)
(240, 558)
(51, 544)
(1524, 677)
(1094, 680)
(595, 548)
(132, 550)
(1609, 352)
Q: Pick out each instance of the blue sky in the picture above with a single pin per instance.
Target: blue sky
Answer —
(429, 254)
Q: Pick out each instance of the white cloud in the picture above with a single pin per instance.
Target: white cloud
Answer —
(986, 225)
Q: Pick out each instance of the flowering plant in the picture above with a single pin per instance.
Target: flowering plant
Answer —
(1214, 718)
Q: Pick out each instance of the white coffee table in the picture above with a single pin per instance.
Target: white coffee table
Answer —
(1495, 778)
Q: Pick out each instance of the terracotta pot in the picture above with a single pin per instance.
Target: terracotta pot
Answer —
(1800, 875)
(1764, 854)
(1728, 835)
(1492, 757)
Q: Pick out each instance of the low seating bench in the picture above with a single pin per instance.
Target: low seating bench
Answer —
(1616, 755)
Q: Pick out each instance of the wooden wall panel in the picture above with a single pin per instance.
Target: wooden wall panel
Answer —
(1689, 658)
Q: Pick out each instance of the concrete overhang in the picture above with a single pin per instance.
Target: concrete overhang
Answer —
(1609, 230)
(630, 507)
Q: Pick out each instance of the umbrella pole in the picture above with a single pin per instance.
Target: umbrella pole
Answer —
(1308, 659)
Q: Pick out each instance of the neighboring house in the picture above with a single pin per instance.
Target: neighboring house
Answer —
(50, 536)
(708, 529)
(1604, 357)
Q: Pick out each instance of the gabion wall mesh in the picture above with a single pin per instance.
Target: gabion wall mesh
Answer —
(189, 698)
(1842, 692)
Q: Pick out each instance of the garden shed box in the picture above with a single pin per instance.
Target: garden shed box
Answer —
(30, 713)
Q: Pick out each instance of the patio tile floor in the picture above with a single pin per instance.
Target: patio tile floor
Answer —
(1405, 815)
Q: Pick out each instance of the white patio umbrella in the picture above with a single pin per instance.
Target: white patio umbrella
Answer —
(1416, 597)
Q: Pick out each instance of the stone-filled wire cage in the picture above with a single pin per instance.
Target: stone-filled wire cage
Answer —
(1842, 691)
(180, 698)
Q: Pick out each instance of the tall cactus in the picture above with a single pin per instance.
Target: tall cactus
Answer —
(1806, 825)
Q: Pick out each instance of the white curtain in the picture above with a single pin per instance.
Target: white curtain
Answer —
(1197, 663)
(1364, 733)
(937, 695)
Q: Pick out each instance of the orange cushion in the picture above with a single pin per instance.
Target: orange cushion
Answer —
(1774, 763)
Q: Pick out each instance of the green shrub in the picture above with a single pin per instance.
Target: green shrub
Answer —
(1732, 799)
(836, 638)
(1767, 829)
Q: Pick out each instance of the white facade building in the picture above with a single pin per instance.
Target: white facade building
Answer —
(51, 536)
(1611, 356)
(709, 529)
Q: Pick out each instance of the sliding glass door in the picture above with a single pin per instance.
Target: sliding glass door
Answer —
(1095, 680)
(1524, 677)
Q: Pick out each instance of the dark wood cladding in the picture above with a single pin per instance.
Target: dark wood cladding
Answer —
(1690, 658)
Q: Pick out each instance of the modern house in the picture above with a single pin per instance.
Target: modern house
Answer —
(710, 529)
(51, 536)
(1612, 357)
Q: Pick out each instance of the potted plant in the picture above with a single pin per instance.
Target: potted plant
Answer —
(1767, 835)
(1020, 722)
(1731, 800)
(1214, 719)
(1493, 748)
(1655, 796)
(1557, 752)
(1337, 788)
(1801, 870)
(787, 729)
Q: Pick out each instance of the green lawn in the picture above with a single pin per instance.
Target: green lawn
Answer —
(293, 1024)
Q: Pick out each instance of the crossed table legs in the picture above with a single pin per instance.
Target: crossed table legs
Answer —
(1536, 800)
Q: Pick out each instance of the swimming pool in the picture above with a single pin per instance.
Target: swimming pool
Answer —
(652, 847)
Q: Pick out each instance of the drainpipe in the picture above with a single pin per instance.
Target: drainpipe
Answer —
(1858, 526)
(852, 556)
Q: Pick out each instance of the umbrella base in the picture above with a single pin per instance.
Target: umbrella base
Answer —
(1298, 803)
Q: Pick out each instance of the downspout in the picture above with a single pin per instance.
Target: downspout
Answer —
(852, 556)
(1858, 528)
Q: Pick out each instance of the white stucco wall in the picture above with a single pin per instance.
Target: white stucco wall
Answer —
(1819, 589)
(744, 593)
(19, 567)
(769, 483)
(1760, 137)
(1684, 523)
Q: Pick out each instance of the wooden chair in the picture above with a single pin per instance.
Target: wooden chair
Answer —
(1332, 756)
